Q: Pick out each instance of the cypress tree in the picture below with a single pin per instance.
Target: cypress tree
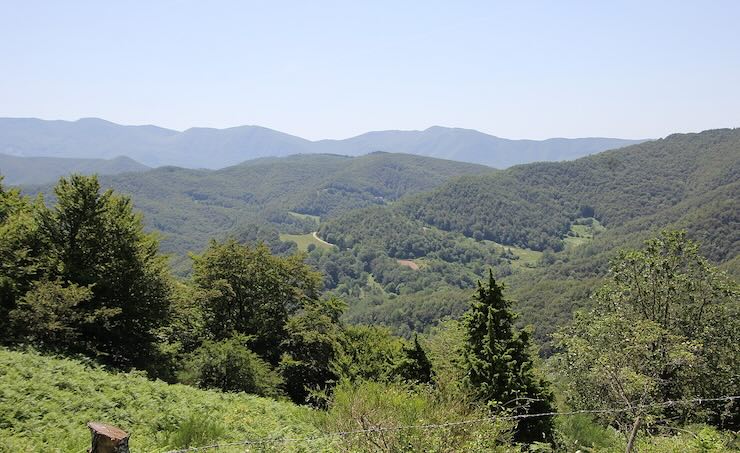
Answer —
(498, 366)
(415, 366)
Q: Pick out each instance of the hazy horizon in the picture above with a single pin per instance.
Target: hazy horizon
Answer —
(331, 71)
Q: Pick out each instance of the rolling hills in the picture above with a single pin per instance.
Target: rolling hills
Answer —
(617, 198)
(191, 206)
(547, 229)
(535, 205)
(218, 148)
(38, 170)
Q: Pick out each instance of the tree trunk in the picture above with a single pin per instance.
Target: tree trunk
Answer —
(633, 435)
(107, 439)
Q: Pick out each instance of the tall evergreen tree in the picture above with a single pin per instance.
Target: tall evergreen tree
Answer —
(415, 366)
(498, 366)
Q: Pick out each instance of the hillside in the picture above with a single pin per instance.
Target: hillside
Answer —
(469, 145)
(553, 228)
(535, 205)
(38, 170)
(46, 402)
(191, 206)
(218, 148)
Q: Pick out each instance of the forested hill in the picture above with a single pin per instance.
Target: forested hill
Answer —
(201, 147)
(191, 206)
(561, 224)
(535, 205)
(38, 170)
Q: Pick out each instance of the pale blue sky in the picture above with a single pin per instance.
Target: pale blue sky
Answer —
(321, 69)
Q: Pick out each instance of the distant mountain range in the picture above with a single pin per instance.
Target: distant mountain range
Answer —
(218, 148)
(37, 170)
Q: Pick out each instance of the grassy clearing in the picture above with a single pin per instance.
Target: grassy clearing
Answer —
(526, 258)
(583, 231)
(45, 403)
(303, 241)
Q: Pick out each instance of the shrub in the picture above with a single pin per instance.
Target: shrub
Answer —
(229, 365)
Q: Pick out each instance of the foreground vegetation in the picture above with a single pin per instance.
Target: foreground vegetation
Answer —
(80, 277)
(45, 403)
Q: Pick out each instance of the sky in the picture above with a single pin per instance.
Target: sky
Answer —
(321, 69)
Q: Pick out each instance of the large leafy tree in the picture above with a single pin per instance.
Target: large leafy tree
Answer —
(311, 347)
(666, 326)
(22, 253)
(499, 369)
(247, 290)
(108, 286)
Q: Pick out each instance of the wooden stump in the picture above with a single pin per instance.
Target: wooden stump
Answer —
(107, 439)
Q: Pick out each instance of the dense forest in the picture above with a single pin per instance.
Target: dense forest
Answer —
(585, 210)
(534, 205)
(437, 296)
(191, 206)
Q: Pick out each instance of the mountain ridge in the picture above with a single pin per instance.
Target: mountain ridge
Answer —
(203, 147)
(18, 170)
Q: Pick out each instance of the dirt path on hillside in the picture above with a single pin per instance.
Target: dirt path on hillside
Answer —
(316, 236)
(409, 264)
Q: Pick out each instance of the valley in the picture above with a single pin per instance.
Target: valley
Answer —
(390, 248)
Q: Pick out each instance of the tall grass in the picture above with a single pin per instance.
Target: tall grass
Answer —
(45, 403)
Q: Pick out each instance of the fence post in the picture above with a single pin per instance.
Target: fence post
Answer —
(107, 438)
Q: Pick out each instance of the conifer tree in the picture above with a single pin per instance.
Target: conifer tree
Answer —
(415, 366)
(498, 366)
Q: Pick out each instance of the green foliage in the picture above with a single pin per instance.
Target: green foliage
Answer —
(45, 403)
(408, 313)
(368, 353)
(190, 207)
(534, 205)
(249, 291)
(49, 315)
(197, 430)
(228, 365)
(21, 253)
(415, 367)
(581, 432)
(659, 332)
(382, 406)
(313, 340)
(89, 240)
(389, 230)
(499, 369)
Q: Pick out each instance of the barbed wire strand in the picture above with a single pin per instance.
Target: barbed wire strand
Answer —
(276, 440)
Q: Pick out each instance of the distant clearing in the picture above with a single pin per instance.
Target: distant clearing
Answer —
(526, 258)
(408, 263)
(304, 240)
(583, 231)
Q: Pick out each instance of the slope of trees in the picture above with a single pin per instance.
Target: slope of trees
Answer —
(533, 205)
(664, 327)
(82, 278)
(189, 207)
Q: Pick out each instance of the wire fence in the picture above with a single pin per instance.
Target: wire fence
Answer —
(431, 426)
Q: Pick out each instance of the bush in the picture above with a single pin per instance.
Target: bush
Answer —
(381, 407)
(229, 365)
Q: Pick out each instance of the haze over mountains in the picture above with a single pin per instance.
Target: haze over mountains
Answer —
(35, 170)
(218, 148)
